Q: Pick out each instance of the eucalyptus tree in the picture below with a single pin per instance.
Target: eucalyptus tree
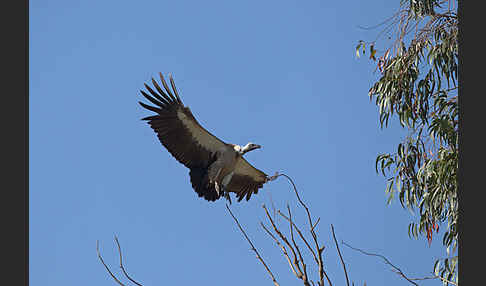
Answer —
(417, 86)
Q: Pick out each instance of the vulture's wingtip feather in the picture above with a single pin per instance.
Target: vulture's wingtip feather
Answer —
(164, 83)
(172, 83)
(149, 107)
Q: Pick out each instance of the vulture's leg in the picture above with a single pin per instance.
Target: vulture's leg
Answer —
(214, 174)
(216, 185)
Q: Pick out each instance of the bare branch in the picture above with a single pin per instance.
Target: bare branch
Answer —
(253, 248)
(418, 279)
(274, 210)
(380, 24)
(304, 266)
(107, 268)
(302, 237)
(397, 270)
(121, 263)
(314, 226)
(296, 264)
(428, 278)
(445, 280)
(322, 272)
(340, 256)
(298, 198)
(284, 250)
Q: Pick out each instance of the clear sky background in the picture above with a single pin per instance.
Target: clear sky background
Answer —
(282, 74)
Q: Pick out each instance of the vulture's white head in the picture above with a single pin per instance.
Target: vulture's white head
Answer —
(249, 147)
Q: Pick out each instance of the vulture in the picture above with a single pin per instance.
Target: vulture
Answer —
(215, 168)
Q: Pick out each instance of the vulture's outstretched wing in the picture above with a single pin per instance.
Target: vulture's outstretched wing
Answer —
(177, 129)
(246, 180)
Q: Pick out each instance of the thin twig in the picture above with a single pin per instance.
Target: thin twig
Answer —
(315, 224)
(285, 240)
(298, 198)
(322, 272)
(429, 278)
(274, 210)
(380, 24)
(447, 281)
(107, 268)
(253, 248)
(384, 259)
(304, 266)
(121, 263)
(301, 236)
(419, 279)
(340, 256)
(284, 250)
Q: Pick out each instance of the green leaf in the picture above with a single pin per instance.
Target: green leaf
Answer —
(437, 267)
(360, 43)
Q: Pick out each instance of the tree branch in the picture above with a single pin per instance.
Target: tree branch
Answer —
(298, 271)
(304, 266)
(302, 237)
(397, 270)
(284, 250)
(121, 263)
(253, 248)
(339, 252)
(104, 264)
(322, 272)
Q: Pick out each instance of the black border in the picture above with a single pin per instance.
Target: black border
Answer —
(460, 171)
(471, 143)
(15, 117)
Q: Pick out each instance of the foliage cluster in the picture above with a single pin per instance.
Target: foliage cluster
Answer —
(418, 84)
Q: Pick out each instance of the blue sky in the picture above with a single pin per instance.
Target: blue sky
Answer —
(282, 74)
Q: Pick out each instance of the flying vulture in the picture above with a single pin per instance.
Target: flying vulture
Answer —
(216, 168)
